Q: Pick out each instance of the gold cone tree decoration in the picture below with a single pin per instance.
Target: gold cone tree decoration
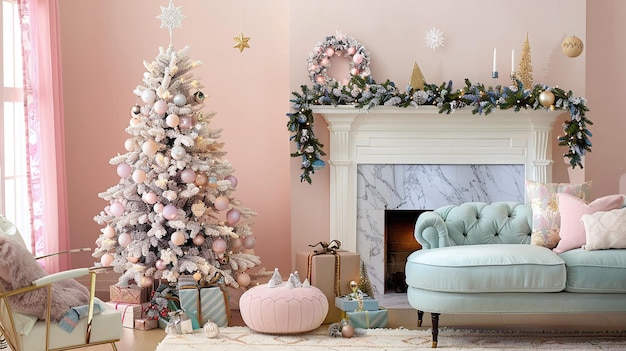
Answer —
(525, 68)
(364, 282)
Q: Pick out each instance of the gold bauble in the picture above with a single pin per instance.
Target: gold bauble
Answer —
(546, 98)
(572, 46)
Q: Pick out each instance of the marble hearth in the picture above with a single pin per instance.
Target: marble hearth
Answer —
(416, 158)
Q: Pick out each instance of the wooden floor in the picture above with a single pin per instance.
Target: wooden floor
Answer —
(138, 340)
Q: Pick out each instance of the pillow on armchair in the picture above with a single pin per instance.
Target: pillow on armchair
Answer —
(18, 269)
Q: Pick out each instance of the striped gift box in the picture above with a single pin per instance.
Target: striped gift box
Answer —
(205, 304)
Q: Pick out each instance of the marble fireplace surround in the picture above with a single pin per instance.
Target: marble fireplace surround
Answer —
(388, 147)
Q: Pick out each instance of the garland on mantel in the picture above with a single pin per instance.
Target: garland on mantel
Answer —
(365, 93)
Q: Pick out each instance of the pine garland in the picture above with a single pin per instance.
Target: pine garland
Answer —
(365, 93)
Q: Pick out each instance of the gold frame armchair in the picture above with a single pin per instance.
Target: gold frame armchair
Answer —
(96, 329)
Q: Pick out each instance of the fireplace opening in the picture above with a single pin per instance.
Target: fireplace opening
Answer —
(399, 244)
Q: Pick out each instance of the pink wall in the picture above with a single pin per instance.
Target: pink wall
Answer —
(105, 42)
(104, 45)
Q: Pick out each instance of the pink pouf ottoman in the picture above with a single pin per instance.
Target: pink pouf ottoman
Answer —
(283, 308)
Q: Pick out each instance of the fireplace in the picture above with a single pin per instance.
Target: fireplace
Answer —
(399, 244)
(415, 158)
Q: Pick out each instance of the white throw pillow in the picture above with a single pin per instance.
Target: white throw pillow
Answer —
(605, 229)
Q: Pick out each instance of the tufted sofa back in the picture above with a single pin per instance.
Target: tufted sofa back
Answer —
(475, 223)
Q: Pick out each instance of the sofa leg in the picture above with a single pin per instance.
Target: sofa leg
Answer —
(435, 324)
(420, 317)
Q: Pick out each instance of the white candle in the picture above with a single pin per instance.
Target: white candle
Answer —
(494, 60)
(513, 60)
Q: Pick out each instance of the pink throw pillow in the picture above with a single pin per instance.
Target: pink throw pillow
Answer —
(572, 209)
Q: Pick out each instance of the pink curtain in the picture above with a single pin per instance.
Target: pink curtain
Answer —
(43, 108)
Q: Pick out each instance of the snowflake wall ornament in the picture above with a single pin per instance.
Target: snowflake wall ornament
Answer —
(434, 38)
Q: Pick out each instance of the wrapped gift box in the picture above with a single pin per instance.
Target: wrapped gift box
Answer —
(347, 304)
(146, 323)
(368, 319)
(206, 304)
(130, 312)
(323, 275)
(132, 294)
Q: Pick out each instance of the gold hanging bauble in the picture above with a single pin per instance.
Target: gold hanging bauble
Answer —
(572, 46)
(546, 98)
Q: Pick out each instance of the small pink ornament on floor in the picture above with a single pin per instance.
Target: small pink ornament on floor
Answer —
(347, 331)
(211, 330)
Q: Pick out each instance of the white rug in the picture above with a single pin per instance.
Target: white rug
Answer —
(242, 338)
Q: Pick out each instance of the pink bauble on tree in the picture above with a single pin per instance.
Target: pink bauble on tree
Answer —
(146, 282)
(172, 121)
(170, 212)
(160, 265)
(188, 176)
(117, 209)
(149, 197)
(149, 147)
(178, 238)
(243, 279)
(132, 259)
(249, 242)
(139, 176)
(124, 239)
(236, 244)
(232, 179)
(109, 232)
(201, 179)
(123, 170)
(233, 216)
(106, 260)
(219, 246)
(221, 203)
(198, 239)
(160, 107)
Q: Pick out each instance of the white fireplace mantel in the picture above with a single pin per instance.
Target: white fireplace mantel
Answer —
(394, 135)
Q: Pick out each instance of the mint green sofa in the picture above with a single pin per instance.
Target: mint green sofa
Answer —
(477, 258)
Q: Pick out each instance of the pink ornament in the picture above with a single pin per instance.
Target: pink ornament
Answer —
(313, 67)
(139, 176)
(320, 80)
(170, 212)
(232, 179)
(219, 246)
(172, 121)
(178, 238)
(132, 259)
(146, 282)
(355, 71)
(148, 96)
(201, 179)
(249, 242)
(188, 175)
(106, 260)
(221, 203)
(243, 279)
(149, 147)
(358, 58)
(235, 244)
(149, 198)
(158, 207)
(233, 216)
(160, 107)
(325, 62)
(109, 232)
(123, 170)
(351, 50)
(124, 239)
(198, 239)
(185, 123)
(330, 52)
(160, 265)
(117, 209)
(133, 121)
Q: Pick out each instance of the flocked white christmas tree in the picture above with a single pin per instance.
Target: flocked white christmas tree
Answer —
(173, 212)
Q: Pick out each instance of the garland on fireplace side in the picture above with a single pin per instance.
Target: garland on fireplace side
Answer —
(363, 92)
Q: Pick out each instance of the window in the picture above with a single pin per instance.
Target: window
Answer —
(13, 167)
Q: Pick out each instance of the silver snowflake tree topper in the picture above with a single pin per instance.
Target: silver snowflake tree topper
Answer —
(171, 17)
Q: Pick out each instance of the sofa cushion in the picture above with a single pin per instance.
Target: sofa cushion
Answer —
(572, 209)
(601, 271)
(605, 230)
(486, 268)
(546, 220)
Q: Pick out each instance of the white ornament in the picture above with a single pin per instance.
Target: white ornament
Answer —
(434, 39)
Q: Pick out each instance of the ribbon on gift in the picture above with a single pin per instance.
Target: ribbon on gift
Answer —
(327, 248)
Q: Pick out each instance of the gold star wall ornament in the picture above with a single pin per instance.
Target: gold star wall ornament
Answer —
(242, 42)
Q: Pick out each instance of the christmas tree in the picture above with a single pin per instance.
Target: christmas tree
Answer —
(525, 70)
(173, 212)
